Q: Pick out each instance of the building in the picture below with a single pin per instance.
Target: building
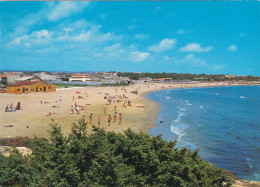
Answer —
(11, 77)
(46, 77)
(28, 79)
(28, 87)
(167, 79)
(3, 79)
(118, 80)
(144, 80)
(160, 80)
(80, 77)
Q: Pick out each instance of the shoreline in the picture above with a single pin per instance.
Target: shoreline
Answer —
(157, 106)
(239, 182)
(140, 117)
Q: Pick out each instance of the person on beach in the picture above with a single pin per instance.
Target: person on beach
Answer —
(109, 120)
(83, 118)
(60, 97)
(71, 109)
(105, 110)
(90, 118)
(120, 119)
(86, 95)
(6, 108)
(77, 109)
(75, 104)
(73, 98)
(98, 121)
(115, 116)
(41, 102)
(18, 105)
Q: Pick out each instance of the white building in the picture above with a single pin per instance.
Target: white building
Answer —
(80, 77)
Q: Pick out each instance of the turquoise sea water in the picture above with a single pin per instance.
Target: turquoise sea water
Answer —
(223, 122)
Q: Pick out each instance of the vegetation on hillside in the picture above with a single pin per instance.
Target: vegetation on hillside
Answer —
(107, 158)
(187, 76)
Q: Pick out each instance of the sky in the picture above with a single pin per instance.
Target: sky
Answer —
(167, 36)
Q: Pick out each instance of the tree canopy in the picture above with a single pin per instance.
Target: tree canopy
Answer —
(187, 76)
(107, 158)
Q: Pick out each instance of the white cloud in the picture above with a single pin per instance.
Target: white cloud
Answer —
(51, 11)
(116, 46)
(141, 36)
(181, 31)
(43, 33)
(80, 24)
(139, 56)
(66, 8)
(169, 59)
(232, 47)
(164, 45)
(192, 60)
(68, 29)
(195, 47)
(41, 37)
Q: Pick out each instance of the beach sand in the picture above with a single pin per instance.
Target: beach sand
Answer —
(34, 114)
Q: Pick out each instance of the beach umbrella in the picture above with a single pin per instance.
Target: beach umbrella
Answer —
(106, 94)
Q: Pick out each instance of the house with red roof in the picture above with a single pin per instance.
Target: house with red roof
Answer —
(28, 87)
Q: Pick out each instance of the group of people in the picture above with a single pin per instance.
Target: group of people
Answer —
(115, 119)
(76, 107)
(11, 108)
(109, 119)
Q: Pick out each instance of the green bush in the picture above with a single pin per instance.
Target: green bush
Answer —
(107, 158)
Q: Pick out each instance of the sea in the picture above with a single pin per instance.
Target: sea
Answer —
(222, 122)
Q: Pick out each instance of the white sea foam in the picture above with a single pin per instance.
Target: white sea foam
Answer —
(249, 162)
(217, 93)
(242, 97)
(168, 97)
(201, 107)
(176, 130)
(182, 109)
(177, 127)
(189, 104)
(179, 117)
(186, 101)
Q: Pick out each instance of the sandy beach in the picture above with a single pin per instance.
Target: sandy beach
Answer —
(140, 117)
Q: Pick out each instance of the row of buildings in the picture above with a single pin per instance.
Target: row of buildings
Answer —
(8, 78)
(17, 83)
(103, 77)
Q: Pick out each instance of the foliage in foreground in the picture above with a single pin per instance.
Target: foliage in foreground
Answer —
(107, 158)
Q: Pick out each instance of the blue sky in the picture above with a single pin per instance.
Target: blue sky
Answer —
(182, 37)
